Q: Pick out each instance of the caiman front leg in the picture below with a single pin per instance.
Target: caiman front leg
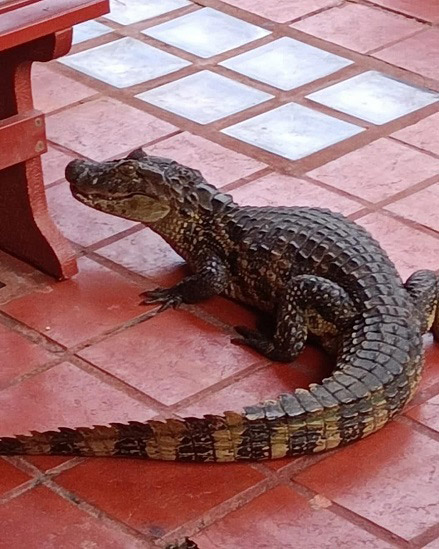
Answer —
(315, 295)
(210, 278)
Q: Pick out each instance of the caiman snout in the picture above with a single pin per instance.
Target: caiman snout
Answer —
(75, 169)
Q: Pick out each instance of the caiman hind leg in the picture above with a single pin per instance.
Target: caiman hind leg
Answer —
(423, 287)
(305, 294)
(210, 279)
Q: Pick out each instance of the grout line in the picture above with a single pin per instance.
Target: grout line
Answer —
(424, 395)
(19, 490)
(414, 147)
(418, 426)
(370, 3)
(394, 42)
(123, 386)
(31, 334)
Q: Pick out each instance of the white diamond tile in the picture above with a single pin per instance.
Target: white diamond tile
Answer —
(87, 30)
(292, 131)
(126, 12)
(374, 97)
(124, 62)
(204, 97)
(206, 32)
(286, 63)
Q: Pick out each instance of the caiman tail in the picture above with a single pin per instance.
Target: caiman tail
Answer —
(377, 372)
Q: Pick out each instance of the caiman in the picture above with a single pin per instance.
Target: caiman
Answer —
(313, 272)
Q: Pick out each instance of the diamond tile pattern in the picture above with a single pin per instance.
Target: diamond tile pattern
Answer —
(206, 32)
(286, 63)
(126, 12)
(216, 97)
(292, 131)
(89, 29)
(125, 62)
(374, 97)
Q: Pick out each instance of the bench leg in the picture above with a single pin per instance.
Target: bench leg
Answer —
(26, 229)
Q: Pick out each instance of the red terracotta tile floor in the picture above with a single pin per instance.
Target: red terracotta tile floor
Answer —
(78, 352)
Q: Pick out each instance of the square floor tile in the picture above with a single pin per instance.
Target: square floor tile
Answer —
(204, 97)
(282, 11)
(281, 190)
(65, 396)
(422, 9)
(94, 301)
(282, 518)
(89, 29)
(124, 62)
(419, 54)
(151, 496)
(409, 248)
(170, 357)
(10, 477)
(54, 162)
(208, 157)
(374, 28)
(274, 62)
(147, 254)
(80, 223)
(390, 479)
(41, 518)
(421, 207)
(104, 128)
(378, 170)
(206, 32)
(424, 134)
(51, 90)
(292, 131)
(126, 12)
(374, 97)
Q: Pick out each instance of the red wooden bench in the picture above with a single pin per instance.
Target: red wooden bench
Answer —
(32, 30)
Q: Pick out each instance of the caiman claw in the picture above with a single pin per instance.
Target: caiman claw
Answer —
(166, 296)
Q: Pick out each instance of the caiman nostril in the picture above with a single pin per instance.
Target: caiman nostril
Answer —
(74, 170)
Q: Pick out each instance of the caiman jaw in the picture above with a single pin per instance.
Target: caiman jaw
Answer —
(87, 187)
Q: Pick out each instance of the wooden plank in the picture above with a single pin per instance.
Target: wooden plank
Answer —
(17, 149)
(9, 5)
(44, 17)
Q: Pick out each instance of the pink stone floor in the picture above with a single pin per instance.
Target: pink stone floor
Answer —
(357, 131)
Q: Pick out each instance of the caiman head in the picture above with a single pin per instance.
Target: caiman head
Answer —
(144, 188)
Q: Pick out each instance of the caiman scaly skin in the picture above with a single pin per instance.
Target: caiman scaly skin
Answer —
(316, 273)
